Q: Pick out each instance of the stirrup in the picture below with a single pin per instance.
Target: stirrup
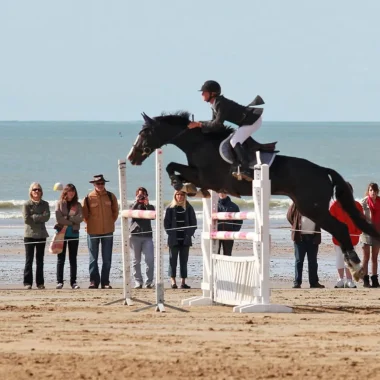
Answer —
(237, 174)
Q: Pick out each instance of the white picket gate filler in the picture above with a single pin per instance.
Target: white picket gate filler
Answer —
(156, 215)
(239, 281)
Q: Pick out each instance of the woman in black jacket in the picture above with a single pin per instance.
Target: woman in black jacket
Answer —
(180, 224)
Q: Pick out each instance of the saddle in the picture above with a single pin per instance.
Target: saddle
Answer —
(267, 151)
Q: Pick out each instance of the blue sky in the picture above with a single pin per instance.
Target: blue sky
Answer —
(111, 60)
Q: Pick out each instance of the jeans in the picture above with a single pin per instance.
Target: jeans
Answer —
(93, 242)
(39, 245)
(301, 249)
(143, 245)
(227, 247)
(61, 258)
(183, 252)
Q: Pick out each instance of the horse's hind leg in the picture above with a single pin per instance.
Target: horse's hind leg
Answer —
(340, 231)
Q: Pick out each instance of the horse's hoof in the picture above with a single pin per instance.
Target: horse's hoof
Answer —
(189, 189)
(358, 275)
(205, 193)
(177, 186)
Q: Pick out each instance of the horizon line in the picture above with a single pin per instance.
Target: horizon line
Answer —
(139, 120)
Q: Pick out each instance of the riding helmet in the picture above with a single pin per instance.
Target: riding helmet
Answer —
(211, 86)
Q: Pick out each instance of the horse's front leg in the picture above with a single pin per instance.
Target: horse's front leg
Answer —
(185, 174)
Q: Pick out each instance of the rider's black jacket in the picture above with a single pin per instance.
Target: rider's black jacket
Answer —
(225, 109)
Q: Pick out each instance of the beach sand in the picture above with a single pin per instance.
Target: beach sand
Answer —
(51, 334)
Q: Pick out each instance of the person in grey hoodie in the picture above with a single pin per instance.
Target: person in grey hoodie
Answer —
(141, 241)
(36, 213)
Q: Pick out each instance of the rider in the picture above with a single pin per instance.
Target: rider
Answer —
(223, 109)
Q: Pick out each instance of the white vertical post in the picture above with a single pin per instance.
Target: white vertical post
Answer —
(265, 235)
(125, 234)
(159, 235)
(206, 247)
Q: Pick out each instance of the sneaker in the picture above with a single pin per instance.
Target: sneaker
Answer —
(75, 286)
(27, 287)
(41, 287)
(317, 286)
(350, 284)
(297, 286)
(106, 286)
(138, 286)
(174, 286)
(93, 286)
(59, 286)
(149, 286)
(340, 283)
(185, 286)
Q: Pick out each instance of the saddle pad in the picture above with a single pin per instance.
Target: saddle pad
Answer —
(228, 155)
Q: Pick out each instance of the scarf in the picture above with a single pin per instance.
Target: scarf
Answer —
(375, 211)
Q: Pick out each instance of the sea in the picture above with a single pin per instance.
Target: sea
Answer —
(73, 152)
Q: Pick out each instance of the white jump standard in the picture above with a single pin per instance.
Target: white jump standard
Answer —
(157, 215)
(239, 281)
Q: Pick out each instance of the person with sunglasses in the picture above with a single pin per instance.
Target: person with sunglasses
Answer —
(100, 212)
(36, 213)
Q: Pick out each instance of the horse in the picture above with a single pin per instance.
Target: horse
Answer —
(309, 185)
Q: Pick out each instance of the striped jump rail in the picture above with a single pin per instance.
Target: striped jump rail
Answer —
(141, 214)
(243, 215)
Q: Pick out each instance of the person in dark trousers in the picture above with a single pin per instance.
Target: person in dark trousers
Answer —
(68, 213)
(307, 237)
(180, 224)
(36, 213)
(226, 205)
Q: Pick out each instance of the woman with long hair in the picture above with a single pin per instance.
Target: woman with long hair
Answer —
(69, 216)
(180, 224)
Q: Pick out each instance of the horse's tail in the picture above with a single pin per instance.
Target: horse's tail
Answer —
(344, 195)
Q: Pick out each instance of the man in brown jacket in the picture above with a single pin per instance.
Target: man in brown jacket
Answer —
(100, 212)
(307, 237)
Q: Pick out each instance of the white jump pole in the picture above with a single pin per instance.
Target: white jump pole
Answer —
(125, 235)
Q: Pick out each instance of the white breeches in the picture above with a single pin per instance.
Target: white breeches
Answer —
(340, 264)
(243, 132)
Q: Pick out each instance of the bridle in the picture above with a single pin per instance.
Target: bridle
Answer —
(147, 151)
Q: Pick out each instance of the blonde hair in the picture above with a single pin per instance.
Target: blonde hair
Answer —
(175, 203)
(34, 185)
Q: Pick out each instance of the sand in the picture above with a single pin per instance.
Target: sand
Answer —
(52, 334)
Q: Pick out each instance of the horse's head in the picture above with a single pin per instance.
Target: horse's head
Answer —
(155, 133)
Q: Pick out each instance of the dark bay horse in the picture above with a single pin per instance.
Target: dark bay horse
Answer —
(310, 186)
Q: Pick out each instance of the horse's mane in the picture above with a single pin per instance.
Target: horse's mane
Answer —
(183, 118)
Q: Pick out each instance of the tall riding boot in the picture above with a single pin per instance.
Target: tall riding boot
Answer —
(366, 283)
(375, 281)
(243, 159)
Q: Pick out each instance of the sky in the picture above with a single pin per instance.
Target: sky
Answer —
(113, 59)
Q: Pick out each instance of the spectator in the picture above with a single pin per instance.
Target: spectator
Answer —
(371, 208)
(100, 212)
(307, 237)
(337, 211)
(141, 241)
(69, 216)
(180, 224)
(36, 213)
(226, 205)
